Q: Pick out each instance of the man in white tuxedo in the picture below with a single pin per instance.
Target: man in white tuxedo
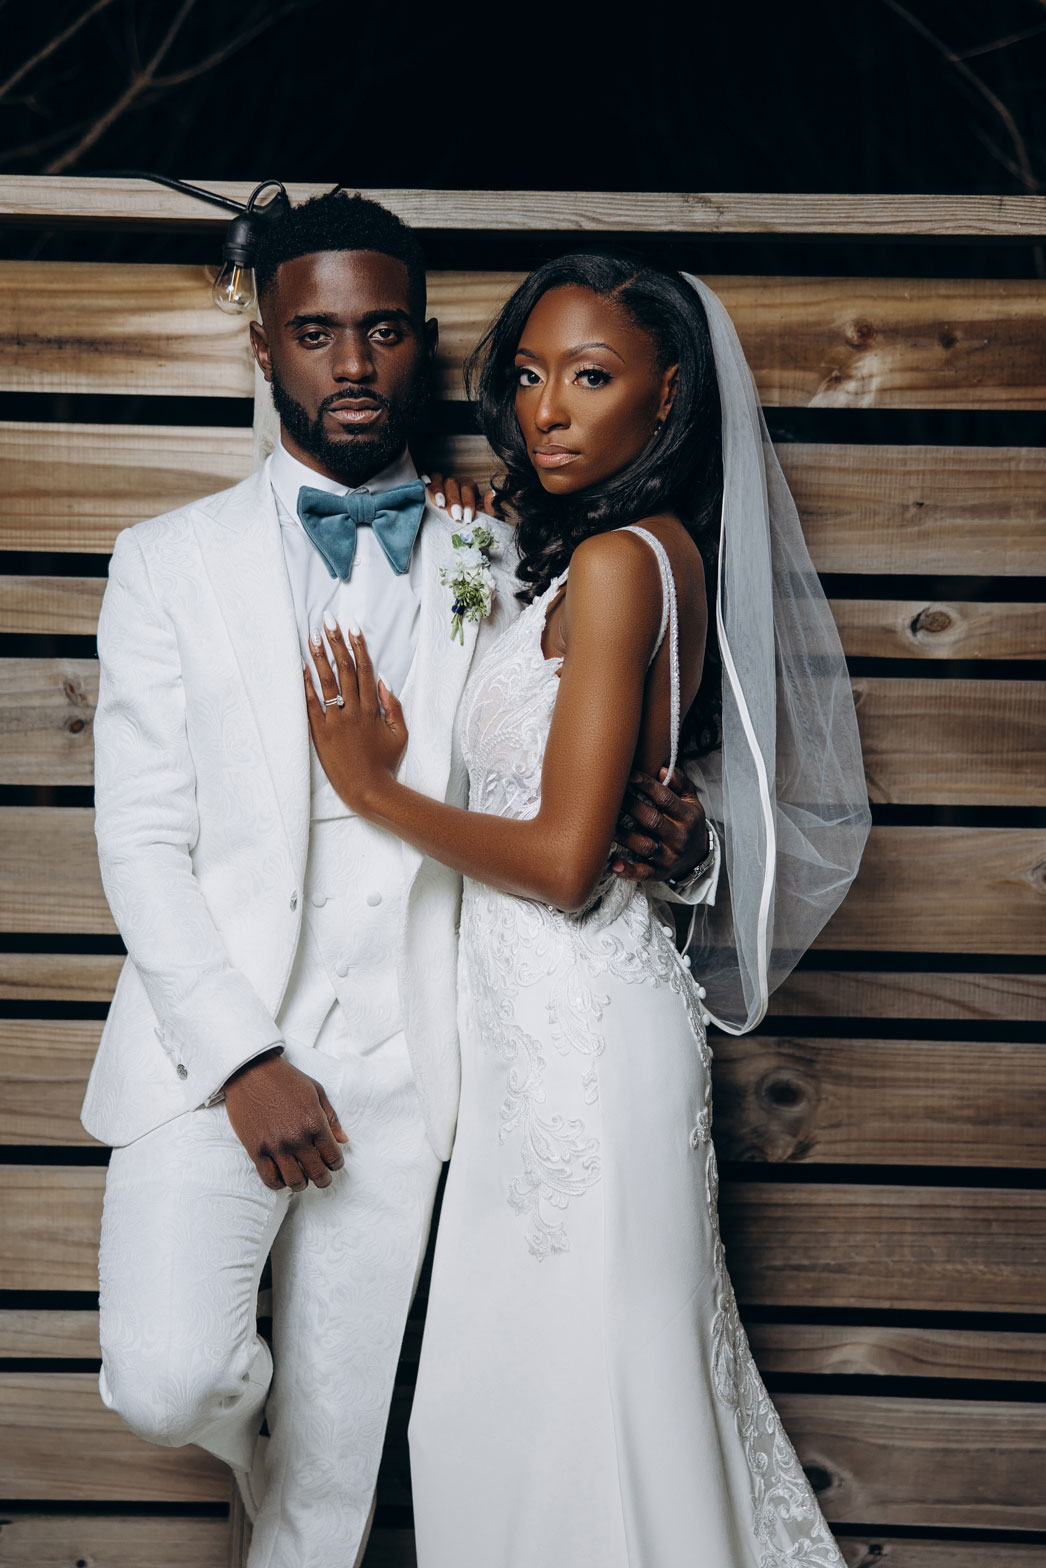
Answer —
(279, 1071)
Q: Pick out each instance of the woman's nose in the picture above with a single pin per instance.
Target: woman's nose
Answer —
(550, 414)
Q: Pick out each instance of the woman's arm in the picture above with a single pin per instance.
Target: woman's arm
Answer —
(612, 616)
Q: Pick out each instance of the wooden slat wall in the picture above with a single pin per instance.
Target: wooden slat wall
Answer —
(901, 1072)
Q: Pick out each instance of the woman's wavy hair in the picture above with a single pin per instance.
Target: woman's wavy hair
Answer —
(680, 471)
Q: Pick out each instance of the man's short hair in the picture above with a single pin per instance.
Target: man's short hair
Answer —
(338, 221)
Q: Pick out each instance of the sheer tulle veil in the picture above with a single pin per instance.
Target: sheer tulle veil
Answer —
(786, 788)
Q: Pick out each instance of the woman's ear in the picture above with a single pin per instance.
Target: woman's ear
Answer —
(668, 392)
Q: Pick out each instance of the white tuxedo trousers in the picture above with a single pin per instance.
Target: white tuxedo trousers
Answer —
(186, 1229)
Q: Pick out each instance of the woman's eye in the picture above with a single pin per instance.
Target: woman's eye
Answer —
(593, 377)
(528, 377)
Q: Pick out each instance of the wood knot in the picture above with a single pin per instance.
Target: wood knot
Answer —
(947, 339)
(76, 726)
(781, 1090)
(819, 1477)
(860, 334)
(931, 622)
(73, 692)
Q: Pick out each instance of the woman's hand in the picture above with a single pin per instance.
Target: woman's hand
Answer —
(358, 731)
(458, 497)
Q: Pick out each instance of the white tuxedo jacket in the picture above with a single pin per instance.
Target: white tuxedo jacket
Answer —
(203, 804)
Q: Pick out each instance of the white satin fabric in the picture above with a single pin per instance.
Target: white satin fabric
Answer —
(586, 1393)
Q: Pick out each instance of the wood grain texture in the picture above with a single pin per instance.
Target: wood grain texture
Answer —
(35, 1539)
(925, 742)
(874, 1351)
(70, 199)
(945, 1463)
(912, 1248)
(927, 629)
(912, 892)
(840, 993)
(58, 977)
(58, 1441)
(47, 718)
(788, 1244)
(964, 742)
(972, 510)
(895, 1551)
(879, 1102)
(811, 342)
(823, 1350)
(50, 606)
(43, 1075)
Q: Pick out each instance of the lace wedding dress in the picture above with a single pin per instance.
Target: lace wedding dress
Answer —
(586, 1394)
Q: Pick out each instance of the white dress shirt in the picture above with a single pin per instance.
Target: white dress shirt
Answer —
(385, 606)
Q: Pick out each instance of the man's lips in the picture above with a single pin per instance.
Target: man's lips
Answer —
(553, 456)
(356, 411)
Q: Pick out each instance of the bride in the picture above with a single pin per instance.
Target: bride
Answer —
(586, 1393)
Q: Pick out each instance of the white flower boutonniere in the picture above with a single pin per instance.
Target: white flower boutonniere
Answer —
(469, 579)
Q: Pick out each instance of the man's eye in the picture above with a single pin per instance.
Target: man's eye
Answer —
(386, 334)
(313, 338)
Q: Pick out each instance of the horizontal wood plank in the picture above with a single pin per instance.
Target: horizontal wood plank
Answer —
(912, 1248)
(788, 1244)
(957, 510)
(840, 993)
(58, 1441)
(58, 977)
(34, 1539)
(50, 606)
(55, 200)
(925, 742)
(879, 1102)
(941, 1463)
(912, 892)
(43, 1075)
(811, 342)
(817, 1349)
(927, 629)
(921, 1551)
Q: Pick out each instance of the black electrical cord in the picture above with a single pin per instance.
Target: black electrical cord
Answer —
(195, 190)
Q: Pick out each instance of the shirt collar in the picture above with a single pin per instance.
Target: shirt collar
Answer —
(287, 476)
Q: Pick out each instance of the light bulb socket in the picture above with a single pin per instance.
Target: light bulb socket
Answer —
(244, 232)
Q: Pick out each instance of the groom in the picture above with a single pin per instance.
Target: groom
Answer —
(279, 1071)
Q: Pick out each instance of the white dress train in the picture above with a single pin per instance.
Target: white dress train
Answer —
(586, 1393)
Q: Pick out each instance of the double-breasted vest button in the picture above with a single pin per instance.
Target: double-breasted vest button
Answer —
(374, 899)
(317, 900)
(294, 901)
(342, 969)
(182, 1070)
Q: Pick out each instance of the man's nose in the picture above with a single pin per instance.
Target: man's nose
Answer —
(353, 361)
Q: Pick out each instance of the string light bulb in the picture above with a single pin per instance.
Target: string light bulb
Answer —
(234, 291)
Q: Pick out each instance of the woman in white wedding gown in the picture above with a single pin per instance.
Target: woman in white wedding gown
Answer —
(586, 1393)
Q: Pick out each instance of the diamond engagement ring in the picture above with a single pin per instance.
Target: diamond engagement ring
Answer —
(335, 702)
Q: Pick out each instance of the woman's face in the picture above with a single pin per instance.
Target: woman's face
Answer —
(590, 394)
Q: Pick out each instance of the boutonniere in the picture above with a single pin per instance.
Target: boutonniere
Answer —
(469, 579)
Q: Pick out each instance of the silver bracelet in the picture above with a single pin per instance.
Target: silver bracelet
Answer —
(681, 883)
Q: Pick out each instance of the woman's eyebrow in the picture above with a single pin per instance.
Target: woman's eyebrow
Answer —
(571, 353)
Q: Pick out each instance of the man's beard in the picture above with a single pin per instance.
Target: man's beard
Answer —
(352, 459)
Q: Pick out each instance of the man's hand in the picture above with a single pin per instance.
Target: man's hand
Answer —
(662, 826)
(286, 1123)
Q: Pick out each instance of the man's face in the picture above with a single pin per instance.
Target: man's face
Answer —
(346, 359)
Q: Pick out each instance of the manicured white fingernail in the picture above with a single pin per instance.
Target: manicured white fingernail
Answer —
(455, 512)
(439, 498)
(425, 479)
(354, 631)
(468, 515)
(315, 638)
(329, 621)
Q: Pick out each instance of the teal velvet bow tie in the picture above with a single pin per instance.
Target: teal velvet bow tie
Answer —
(331, 522)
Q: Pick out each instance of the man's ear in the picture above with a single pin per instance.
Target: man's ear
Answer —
(668, 391)
(430, 338)
(260, 348)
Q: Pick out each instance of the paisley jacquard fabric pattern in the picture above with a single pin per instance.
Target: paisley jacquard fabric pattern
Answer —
(583, 1349)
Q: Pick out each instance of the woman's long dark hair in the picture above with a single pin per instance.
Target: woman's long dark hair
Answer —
(680, 471)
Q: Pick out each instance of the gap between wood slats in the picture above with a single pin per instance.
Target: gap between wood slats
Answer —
(812, 1101)
(811, 342)
(56, 200)
(809, 1348)
(980, 743)
(805, 1244)
(883, 509)
(913, 890)
(67, 978)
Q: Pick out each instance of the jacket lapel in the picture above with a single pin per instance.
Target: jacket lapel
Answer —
(437, 676)
(239, 536)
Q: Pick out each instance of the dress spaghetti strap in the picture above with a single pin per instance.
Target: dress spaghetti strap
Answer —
(669, 621)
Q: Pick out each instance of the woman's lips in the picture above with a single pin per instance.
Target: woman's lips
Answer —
(552, 456)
